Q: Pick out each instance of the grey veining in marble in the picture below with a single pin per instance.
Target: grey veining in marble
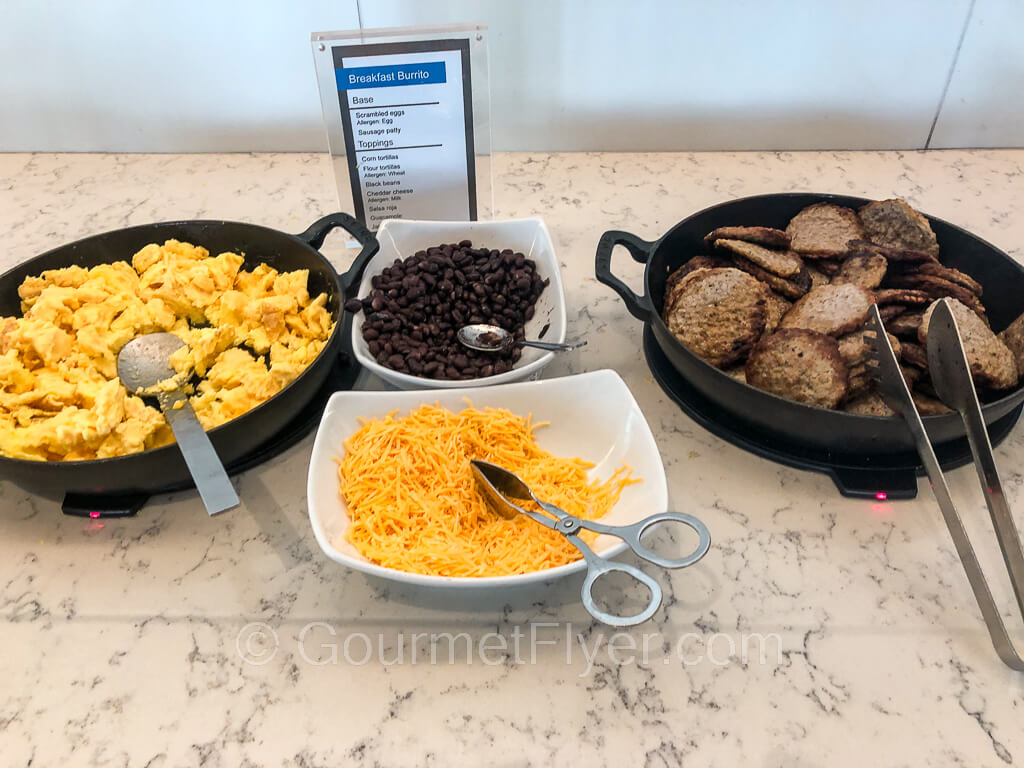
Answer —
(150, 641)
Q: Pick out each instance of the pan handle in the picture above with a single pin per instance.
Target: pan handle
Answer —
(639, 307)
(314, 237)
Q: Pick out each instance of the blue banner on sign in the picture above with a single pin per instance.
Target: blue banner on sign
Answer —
(428, 73)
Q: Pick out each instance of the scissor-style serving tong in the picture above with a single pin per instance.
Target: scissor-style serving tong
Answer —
(951, 377)
(500, 487)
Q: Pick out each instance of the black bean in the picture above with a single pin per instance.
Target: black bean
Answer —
(432, 293)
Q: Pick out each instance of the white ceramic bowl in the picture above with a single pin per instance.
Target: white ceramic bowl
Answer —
(400, 238)
(593, 416)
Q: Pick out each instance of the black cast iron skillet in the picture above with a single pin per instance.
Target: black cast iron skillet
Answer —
(161, 468)
(818, 428)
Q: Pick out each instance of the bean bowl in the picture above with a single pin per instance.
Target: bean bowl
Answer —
(401, 238)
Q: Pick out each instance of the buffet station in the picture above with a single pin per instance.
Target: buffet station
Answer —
(626, 459)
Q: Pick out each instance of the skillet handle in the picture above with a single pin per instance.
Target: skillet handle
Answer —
(639, 307)
(314, 237)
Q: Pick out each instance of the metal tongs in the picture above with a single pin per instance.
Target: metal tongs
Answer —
(951, 377)
(500, 486)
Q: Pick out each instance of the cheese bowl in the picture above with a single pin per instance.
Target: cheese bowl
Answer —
(592, 415)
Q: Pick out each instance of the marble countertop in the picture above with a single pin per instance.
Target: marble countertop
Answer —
(818, 630)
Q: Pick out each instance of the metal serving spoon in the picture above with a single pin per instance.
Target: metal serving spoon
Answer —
(143, 364)
(492, 338)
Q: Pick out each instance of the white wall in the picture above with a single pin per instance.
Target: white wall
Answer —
(175, 76)
(113, 75)
(984, 106)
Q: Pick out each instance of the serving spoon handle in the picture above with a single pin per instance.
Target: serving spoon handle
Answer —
(551, 346)
(211, 479)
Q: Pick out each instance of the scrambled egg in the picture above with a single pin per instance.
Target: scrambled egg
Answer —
(246, 334)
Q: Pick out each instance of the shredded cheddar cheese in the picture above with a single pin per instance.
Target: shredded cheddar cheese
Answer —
(414, 505)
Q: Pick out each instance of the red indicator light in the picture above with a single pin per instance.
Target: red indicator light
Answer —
(881, 495)
(94, 515)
